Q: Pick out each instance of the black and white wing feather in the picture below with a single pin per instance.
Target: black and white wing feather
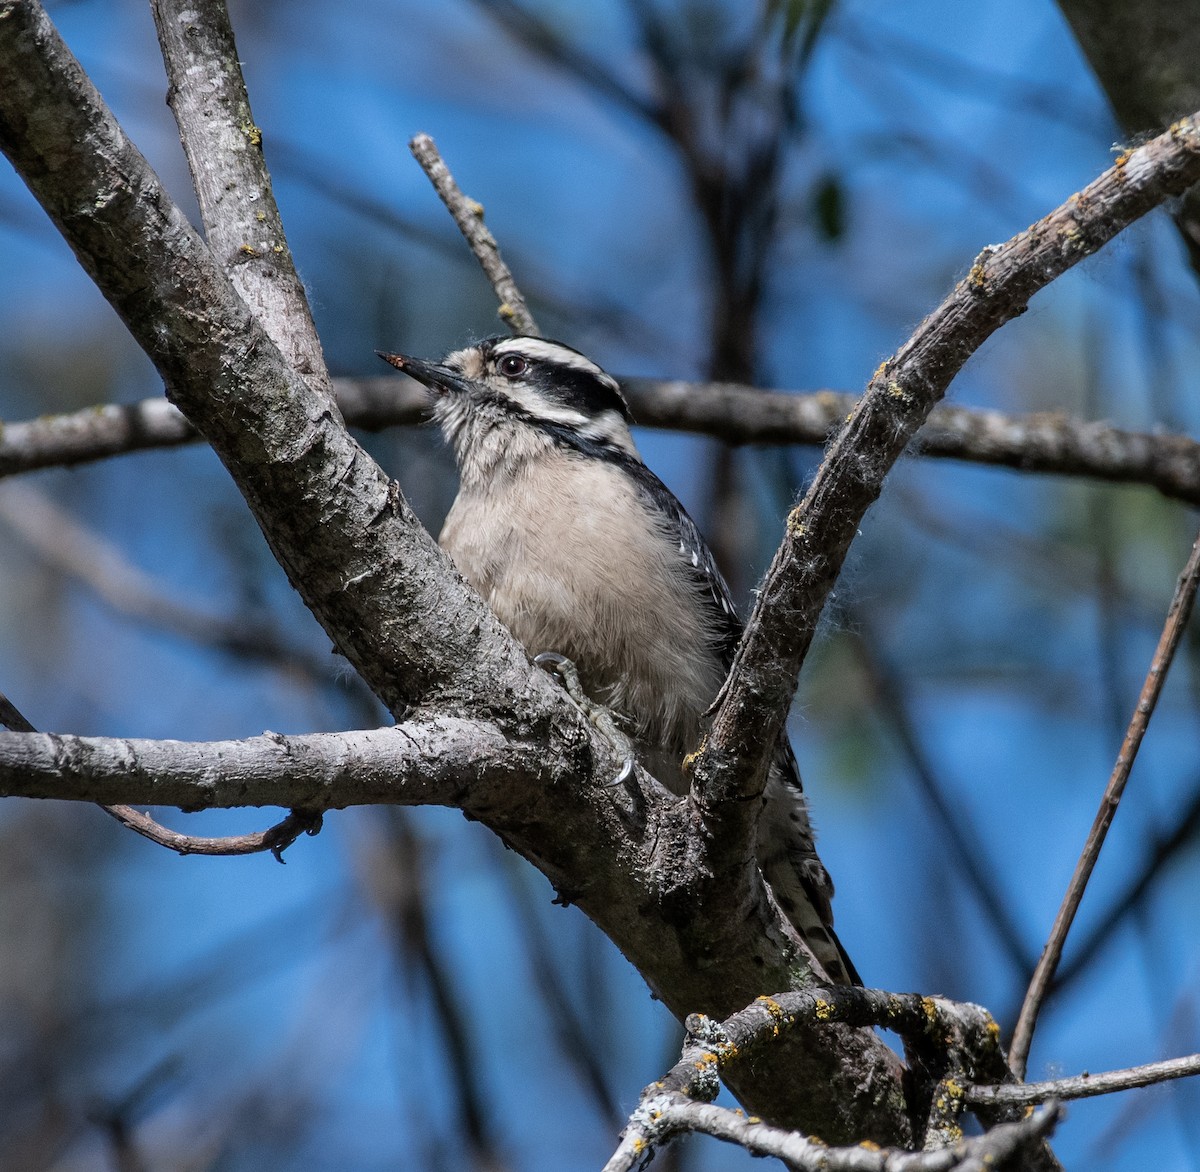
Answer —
(787, 849)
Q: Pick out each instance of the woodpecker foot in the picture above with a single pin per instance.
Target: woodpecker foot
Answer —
(600, 716)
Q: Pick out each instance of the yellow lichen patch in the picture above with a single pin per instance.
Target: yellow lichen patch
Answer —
(929, 1008)
(1122, 158)
(880, 370)
(896, 390)
(260, 216)
(777, 1012)
(639, 1145)
(869, 1145)
(247, 250)
(824, 1010)
(253, 133)
(689, 761)
(977, 278)
(993, 1031)
(795, 524)
(475, 208)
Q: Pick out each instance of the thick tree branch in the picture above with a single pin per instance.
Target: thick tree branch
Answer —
(438, 761)
(276, 435)
(732, 764)
(224, 152)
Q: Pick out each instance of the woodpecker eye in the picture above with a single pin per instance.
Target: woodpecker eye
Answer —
(512, 366)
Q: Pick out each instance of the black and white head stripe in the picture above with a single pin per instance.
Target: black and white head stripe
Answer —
(551, 380)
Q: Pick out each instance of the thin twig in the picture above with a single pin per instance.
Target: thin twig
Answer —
(468, 215)
(275, 839)
(1083, 1086)
(1177, 617)
(1162, 850)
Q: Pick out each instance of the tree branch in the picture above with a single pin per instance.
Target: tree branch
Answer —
(275, 839)
(1052, 444)
(1177, 616)
(1083, 1086)
(436, 761)
(955, 1041)
(390, 602)
(468, 215)
(278, 437)
(664, 1116)
(223, 145)
(732, 764)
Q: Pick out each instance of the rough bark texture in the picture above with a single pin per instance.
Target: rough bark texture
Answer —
(897, 402)
(1147, 58)
(390, 602)
(224, 152)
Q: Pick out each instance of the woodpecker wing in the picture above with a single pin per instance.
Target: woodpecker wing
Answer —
(694, 553)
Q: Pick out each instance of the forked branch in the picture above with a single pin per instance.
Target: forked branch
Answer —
(897, 402)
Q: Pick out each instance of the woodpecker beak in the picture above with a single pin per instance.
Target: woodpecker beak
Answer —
(434, 376)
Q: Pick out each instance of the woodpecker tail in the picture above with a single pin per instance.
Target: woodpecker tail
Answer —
(787, 856)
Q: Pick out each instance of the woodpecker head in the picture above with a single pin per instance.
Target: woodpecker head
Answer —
(518, 393)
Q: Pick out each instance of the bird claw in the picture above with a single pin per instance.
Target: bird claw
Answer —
(600, 716)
